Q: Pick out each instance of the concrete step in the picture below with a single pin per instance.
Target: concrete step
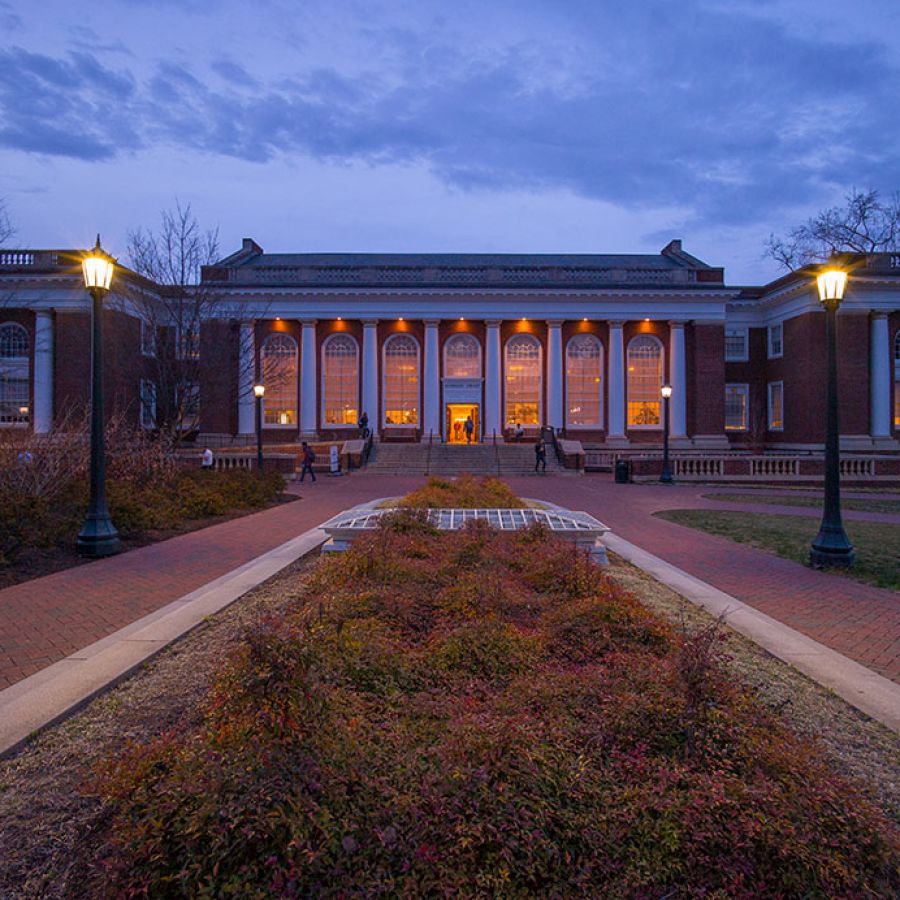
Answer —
(455, 459)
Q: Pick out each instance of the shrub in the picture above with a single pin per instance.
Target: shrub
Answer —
(464, 492)
(517, 727)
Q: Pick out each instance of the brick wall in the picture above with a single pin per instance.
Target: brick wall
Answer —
(705, 348)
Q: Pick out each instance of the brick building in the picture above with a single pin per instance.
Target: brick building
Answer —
(420, 342)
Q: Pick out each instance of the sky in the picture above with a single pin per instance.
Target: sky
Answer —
(527, 126)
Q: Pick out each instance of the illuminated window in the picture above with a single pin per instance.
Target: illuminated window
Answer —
(462, 357)
(897, 380)
(340, 381)
(584, 366)
(523, 380)
(776, 406)
(736, 406)
(645, 377)
(15, 375)
(401, 380)
(278, 363)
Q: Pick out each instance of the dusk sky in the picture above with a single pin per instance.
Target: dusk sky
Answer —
(579, 126)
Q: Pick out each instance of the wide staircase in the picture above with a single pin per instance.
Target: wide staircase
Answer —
(454, 459)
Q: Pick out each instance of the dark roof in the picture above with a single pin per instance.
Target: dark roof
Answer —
(672, 266)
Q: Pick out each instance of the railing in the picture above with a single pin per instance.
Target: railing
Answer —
(428, 452)
(738, 467)
(28, 259)
(700, 467)
(496, 453)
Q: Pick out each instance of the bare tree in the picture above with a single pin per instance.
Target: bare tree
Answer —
(173, 308)
(865, 224)
(6, 226)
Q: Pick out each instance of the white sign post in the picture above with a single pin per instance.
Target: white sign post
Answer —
(335, 464)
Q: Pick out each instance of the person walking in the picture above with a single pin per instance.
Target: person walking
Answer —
(206, 461)
(364, 425)
(470, 427)
(540, 456)
(309, 457)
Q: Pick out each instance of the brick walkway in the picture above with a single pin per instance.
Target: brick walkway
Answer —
(857, 620)
(44, 620)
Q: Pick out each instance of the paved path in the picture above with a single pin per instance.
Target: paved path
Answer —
(857, 620)
(49, 618)
(46, 619)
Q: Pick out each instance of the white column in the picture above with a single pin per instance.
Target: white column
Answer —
(880, 376)
(308, 380)
(616, 381)
(42, 402)
(493, 384)
(554, 375)
(246, 377)
(431, 419)
(677, 372)
(370, 374)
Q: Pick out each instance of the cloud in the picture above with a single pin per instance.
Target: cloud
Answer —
(707, 106)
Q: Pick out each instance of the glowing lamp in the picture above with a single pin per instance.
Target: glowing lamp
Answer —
(97, 268)
(259, 391)
(666, 391)
(831, 284)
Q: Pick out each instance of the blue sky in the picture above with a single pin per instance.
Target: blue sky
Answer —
(521, 126)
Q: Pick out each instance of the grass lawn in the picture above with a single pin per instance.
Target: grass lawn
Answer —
(877, 546)
(874, 505)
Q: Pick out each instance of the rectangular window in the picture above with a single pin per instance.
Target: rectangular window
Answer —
(14, 400)
(188, 341)
(776, 406)
(148, 404)
(736, 345)
(148, 339)
(776, 340)
(187, 396)
(737, 402)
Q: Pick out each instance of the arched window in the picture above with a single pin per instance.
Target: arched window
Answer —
(462, 357)
(645, 378)
(584, 367)
(897, 381)
(401, 380)
(15, 374)
(278, 363)
(523, 380)
(340, 381)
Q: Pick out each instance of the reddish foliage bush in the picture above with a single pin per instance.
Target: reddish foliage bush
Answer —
(480, 714)
(463, 492)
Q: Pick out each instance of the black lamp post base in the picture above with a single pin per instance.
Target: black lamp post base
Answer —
(831, 550)
(98, 538)
(665, 478)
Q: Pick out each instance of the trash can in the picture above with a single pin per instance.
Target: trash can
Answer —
(623, 471)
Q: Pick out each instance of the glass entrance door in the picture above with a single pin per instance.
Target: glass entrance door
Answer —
(457, 413)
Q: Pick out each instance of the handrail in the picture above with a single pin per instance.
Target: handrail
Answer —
(428, 452)
(496, 453)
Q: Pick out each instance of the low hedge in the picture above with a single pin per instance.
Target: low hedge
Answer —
(136, 505)
(463, 492)
(481, 714)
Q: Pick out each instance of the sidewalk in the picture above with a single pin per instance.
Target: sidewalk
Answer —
(49, 618)
(857, 620)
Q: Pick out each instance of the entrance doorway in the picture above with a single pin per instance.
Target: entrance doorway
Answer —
(456, 422)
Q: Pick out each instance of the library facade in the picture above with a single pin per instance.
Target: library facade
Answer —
(421, 343)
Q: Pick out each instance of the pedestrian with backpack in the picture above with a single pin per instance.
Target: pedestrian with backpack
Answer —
(309, 457)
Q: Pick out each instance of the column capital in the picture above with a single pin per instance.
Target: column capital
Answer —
(431, 323)
(616, 323)
(879, 314)
(554, 323)
(677, 323)
(370, 323)
(493, 323)
(309, 323)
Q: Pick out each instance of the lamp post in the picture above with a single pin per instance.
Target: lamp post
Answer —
(831, 547)
(259, 391)
(666, 391)
(98, 536)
